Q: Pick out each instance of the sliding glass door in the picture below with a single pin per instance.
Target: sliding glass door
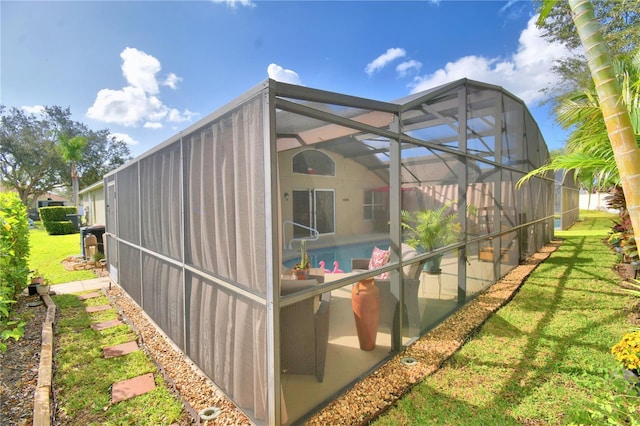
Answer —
(313, 209)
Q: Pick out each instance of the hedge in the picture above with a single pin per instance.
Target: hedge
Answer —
(60, 228)
(56, 214)
(55, 220)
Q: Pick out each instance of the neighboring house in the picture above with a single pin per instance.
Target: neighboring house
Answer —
(49, 199)
(91, 199)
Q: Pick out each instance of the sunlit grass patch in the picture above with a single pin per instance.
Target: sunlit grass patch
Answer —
(544, 358)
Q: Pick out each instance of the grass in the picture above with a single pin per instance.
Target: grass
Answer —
(48, 252)
(83, 377)
(545, 357)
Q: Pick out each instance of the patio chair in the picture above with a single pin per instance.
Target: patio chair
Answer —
(304, 331)
(390, 294)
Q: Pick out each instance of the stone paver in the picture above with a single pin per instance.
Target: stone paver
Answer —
(132, 387)
(105, 324)
(91, 295)
(122, 349)
(80, 286)
(92, 309)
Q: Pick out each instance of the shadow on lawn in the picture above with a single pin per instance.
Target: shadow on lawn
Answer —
(527, 360)
(551, 303)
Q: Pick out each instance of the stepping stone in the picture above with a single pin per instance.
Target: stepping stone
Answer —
(91, 309)
(133, 387)
(122, 349)
(105, 324)
(89, 295)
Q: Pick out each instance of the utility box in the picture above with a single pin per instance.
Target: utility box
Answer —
(96, 231)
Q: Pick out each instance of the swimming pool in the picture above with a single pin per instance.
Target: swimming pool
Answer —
(343, 254)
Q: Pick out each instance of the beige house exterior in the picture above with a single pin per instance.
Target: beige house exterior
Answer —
(347, 193)
(91, 199)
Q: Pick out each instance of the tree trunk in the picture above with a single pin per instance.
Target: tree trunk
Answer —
(616, 115)
(74, 184)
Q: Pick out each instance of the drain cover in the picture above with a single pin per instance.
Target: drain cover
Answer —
(408, 361)
(209, 413)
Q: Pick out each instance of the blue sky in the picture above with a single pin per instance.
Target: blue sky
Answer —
(146, 70)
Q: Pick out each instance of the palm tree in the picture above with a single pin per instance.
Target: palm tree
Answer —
(72, 150)
(616, 117)
(588, 151)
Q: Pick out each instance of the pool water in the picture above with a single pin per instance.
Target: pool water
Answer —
(342, 254)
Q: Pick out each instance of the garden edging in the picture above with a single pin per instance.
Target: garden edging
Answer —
(42, 398)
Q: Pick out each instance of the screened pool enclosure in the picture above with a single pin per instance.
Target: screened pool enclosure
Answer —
(203, 230)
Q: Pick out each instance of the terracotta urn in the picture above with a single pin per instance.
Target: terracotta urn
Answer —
(365, 301)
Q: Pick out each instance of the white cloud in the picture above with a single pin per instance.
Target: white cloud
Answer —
(176, 116)
(406, 66)
(140, 69)
(234, 3)
(33, 109)
(152, 125)
(137, 102)
(172, 81)
(384, 59)
(124, 138)
(507, 6)
(278, 73)
(524, 74)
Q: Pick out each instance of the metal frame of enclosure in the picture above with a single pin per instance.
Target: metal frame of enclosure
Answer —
(203, 229)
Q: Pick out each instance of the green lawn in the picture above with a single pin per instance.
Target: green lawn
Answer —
(83, 377)
(545, 357)
(48, 252)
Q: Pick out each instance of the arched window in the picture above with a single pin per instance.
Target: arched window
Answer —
(313, 162)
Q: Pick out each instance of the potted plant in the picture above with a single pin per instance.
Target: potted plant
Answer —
(431, 229)
(36, 280)
(301, 269)
(627, 352)
(44, 287)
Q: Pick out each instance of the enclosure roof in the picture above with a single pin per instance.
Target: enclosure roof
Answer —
(437, 111)
(356, 128)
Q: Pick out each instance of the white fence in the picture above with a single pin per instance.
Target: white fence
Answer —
(594, 201)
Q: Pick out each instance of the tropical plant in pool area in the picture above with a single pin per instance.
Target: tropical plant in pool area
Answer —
(431, 229)
(428, 230)
(301, 268)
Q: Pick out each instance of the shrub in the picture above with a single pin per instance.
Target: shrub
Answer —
(60, 228)
(56, 214)
(14, 254)
(14, 243)
(55, 220)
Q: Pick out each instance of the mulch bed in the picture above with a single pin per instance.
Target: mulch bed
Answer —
(19, 365)
(363, 402)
